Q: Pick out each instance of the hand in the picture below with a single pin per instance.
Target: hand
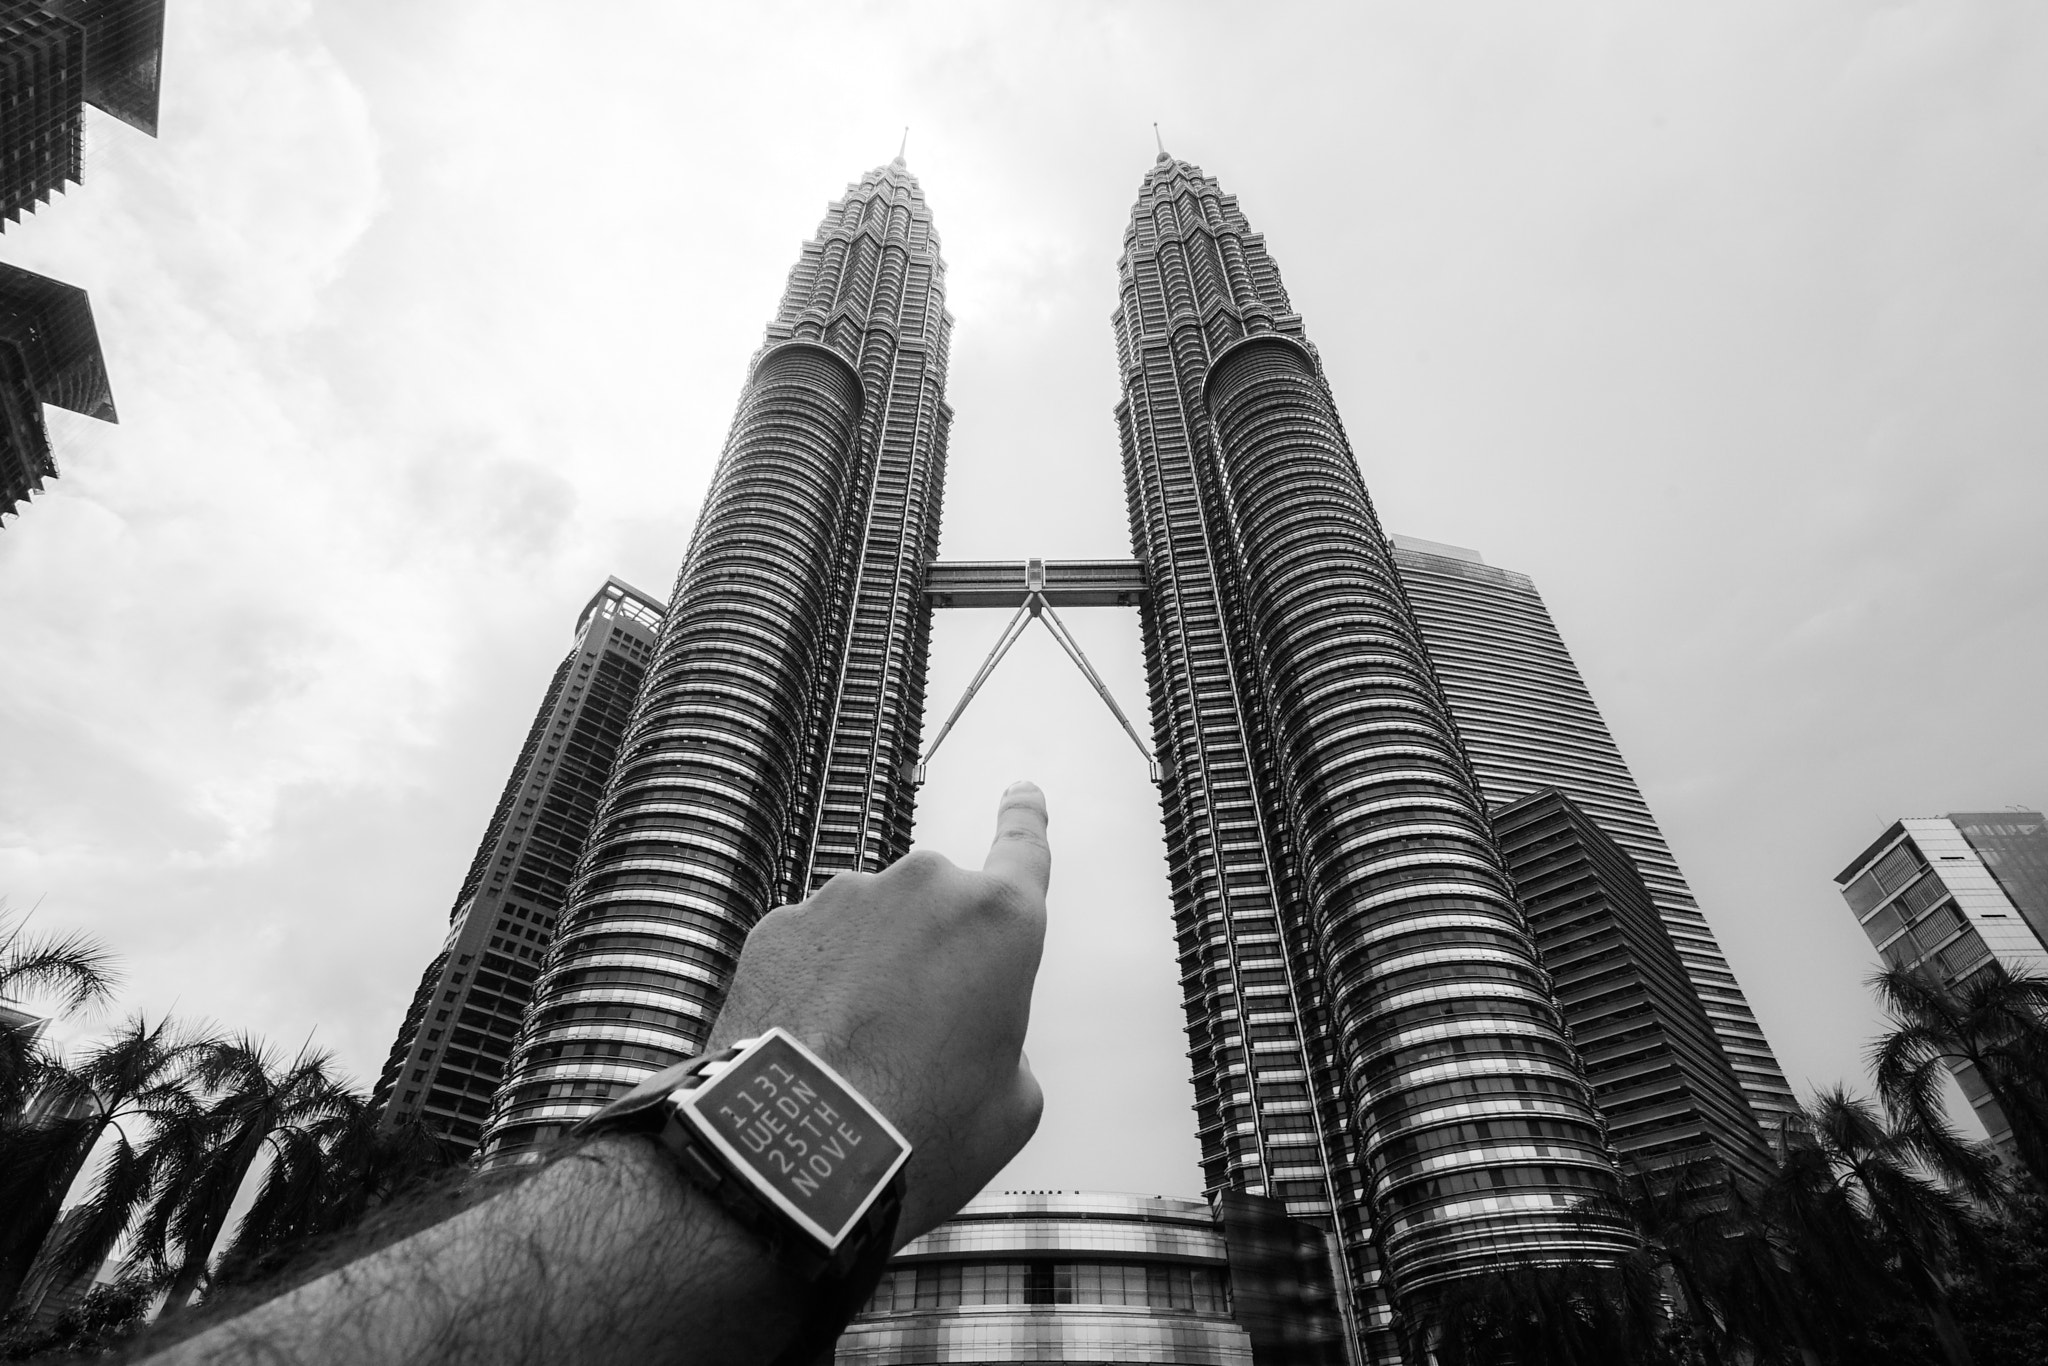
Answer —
(915, 983)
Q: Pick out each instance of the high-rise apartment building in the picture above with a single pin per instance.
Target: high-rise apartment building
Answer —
(1374, 1038)
(1949, 896)
(1529, 723)
(49, 353)
(450, 1053)
(1659, 1074)
(775, 740)
(56, 56)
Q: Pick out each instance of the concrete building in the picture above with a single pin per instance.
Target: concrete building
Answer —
(1529, 723)
(49, 353)
(450, 1053)
(1659, 1075)
(1951, 895)
(56, 57)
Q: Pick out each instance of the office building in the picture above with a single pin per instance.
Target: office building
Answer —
(775, 741)
(1373, 1037)
(1949, 896)
(1658, 1072)
(49, 353)
(1056, 1276)
(56, 56)
(450, 1053)
(1529, 723)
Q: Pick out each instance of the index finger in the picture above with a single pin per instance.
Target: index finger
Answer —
(1020, 855)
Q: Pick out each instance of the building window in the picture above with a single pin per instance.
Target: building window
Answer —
(1188, 1289)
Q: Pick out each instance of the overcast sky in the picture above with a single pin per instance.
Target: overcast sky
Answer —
(1727, 323)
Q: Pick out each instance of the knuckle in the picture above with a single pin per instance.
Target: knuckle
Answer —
(776, 926)
(1000, 900)
(1030, 1103)
(922, 865)
(843, 884)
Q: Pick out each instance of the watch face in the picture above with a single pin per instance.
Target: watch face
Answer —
(812, 1145)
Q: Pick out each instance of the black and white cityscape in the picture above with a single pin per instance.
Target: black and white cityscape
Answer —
(1609, 923)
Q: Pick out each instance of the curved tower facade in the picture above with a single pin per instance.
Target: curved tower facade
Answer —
(774, 736)
(1374, 1040)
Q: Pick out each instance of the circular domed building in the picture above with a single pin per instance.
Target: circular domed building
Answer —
(1056, 1276)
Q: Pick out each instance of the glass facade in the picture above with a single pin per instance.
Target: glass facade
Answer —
(451, 1051)
(1529, 723)
(1943, 895)
(1190, 1289)
(1053, 1276)
(2013, 846)
(775, 736)
(1357, 973)
(1659, 1075)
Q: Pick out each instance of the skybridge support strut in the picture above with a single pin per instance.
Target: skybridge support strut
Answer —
(1033, 586)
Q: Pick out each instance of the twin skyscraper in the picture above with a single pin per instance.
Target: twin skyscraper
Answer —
(1440, 970)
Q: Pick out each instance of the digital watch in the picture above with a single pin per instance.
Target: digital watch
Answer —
(795, 1154)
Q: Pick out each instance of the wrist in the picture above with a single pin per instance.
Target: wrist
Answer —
(718, 1287)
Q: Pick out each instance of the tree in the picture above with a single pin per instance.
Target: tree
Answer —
(134, 1087)
(1864, 1226)
(73, 970)
(324, 1176)
(1566, 1314)
(1995, 1021)
(1685, 1215)
(255, 1099)
(2002, 1300)
(104, 1317)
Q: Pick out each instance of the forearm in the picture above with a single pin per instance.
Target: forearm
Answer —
(606, 1256)
(913, 984)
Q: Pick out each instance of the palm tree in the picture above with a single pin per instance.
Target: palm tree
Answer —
(1739, 1295)
(1567, 1314)
(326, 1174)
(1682, 1214)
(134, 1086)
(1996, 1022)
(72, 970)
(1864, 1224)
(256, 1099)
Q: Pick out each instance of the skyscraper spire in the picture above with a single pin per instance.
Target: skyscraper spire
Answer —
(1159, 140)
(903, 146)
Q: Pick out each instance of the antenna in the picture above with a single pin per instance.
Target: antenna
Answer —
(1156, 138)
(905, 145)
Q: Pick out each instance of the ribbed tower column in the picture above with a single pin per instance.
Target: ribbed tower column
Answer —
(1432, 975)
(1372, 1038)
(787, 682)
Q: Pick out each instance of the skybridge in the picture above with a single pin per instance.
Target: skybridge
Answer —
(1034, 588)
